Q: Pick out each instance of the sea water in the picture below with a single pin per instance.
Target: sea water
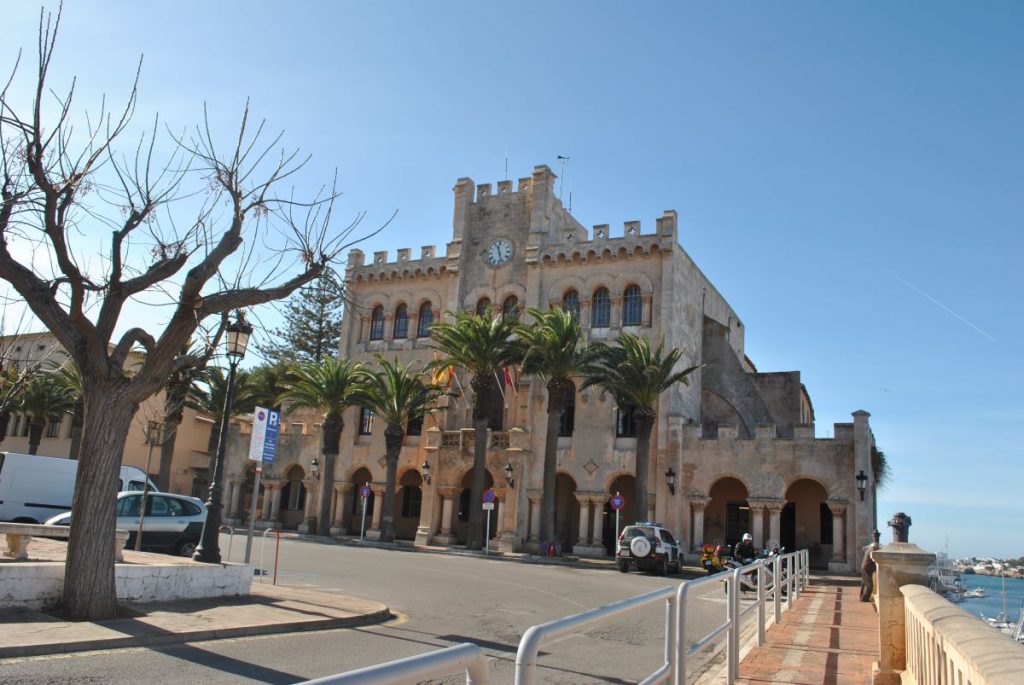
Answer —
(992, 604)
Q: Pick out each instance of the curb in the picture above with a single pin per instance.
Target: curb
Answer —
(165, 638)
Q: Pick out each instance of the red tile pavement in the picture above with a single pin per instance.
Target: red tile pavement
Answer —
(829, 637)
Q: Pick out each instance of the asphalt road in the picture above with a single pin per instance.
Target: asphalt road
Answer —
(440, 600)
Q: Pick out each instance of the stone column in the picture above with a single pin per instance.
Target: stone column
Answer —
(699, 503)
(535, 498)
(597, 503)
(838, 561)
(338, 524)
(275, 501)
(373, 533)
(310, 506)
(899, 563)
(235, 490)
(650, 508)
(775, 521)
(584, 501)
(267, 497)
(448, 495)
(757, 509)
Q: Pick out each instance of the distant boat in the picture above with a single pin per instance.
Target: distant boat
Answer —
(1002, 621)
(975, 593)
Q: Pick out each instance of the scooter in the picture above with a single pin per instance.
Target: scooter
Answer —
(709, 560)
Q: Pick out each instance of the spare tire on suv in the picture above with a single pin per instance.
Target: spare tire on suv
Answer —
(647, 546)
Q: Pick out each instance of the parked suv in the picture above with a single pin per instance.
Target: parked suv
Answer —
(647, 546)
(173, 523)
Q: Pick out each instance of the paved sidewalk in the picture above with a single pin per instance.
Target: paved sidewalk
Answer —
(269, 609)
(829, 636)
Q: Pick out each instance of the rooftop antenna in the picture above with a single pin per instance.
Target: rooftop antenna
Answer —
(561, 174)
(505, 177)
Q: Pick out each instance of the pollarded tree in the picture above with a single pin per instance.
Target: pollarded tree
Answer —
(397, 395)
(312, 327)
(330, 387)
(555, 351)
(172, 233)
(636, 376)
(45, 398)
(483, 345)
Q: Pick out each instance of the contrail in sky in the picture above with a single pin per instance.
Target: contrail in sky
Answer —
(939, 304)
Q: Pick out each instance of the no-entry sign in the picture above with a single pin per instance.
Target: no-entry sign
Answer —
(488, 495)
(617, 502)
(364, 491)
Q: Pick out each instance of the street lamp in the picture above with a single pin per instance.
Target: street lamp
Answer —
(208, 551)
(314, 468)
(425, 470)
(862, 484)
(508, 475)
(670, 480)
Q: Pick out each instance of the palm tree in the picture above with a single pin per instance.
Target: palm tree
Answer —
(328, 386)
(555, 352)
(268, 384)
(482, 345)
(10, 386)
(398, 395)
(43, 399)
(71, 379)
(636, 376)
(207, 396)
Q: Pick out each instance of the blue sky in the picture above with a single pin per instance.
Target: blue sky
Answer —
(849, 176)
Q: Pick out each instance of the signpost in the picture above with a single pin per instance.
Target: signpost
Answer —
(266, 423)
(617, 502)
(364, 492)
(488, 507)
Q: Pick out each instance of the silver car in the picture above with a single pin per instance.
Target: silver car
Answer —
(173, 523)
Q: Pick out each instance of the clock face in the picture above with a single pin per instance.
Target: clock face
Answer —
(500, 252)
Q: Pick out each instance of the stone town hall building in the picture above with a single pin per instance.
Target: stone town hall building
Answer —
(739, 442)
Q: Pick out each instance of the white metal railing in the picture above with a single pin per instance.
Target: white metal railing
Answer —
(769, 578)
(945, 644)
(444, 662)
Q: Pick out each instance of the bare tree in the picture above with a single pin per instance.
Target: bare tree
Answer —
(176, 232)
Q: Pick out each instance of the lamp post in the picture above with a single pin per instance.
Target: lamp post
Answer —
(508, 475)
(425, 470)
(670, 480)
(314, 468)
(862, 484)
(208, 551)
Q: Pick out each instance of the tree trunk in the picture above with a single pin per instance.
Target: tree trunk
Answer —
(35, 435)
(169, 438)
(89, 591)
(77, 419)
(556, 403)
(643, 419)
(393, 437)
(482, 387)
(333, 425)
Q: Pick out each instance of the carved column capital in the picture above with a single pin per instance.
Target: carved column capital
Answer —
(699, 502)
(837, 506)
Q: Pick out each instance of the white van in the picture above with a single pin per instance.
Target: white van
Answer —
(35, 488)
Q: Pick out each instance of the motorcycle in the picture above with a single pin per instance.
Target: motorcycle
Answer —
(709, 560)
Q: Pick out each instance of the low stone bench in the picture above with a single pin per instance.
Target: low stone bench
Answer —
(20, 534)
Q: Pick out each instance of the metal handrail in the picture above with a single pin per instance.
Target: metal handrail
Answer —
(263, 545)
(537, 636)
(231, 536)
(414, 669)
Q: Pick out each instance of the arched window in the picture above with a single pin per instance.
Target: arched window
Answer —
(426, 318)
(483, 306)
(401, 328)
(571, 304)
(365, 421)
(568, 419)
(632, 306)
(625, 426)
(412, 501)
(377, 323)
(510, 308)
(601, 310)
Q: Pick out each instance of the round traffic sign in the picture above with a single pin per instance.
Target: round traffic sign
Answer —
(488, 495)
(617, 502)
(364, 491)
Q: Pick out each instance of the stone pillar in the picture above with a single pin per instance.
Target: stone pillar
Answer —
(699, 503)
(650, 508)
(448, 495)
(275, 501)
(310, 508)
(597, 531)
(373, 533)
(506, 528)
(235, 493)
(267, 497)
(423, 528)
(899, 563)
(757, 509)
(338, 523)
(535, 498)
(838, 561)
(775, 521)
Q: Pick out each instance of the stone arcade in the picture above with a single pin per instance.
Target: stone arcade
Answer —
(739, 443)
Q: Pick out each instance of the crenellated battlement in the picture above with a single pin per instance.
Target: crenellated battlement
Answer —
(843, 433)
(403, 256)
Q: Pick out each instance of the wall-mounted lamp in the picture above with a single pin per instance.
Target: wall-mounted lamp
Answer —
(862, 484)
(425, 470)
(670, 480)
(508, 475)
(314, 467)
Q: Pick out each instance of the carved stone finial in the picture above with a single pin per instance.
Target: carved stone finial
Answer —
(900, 524)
